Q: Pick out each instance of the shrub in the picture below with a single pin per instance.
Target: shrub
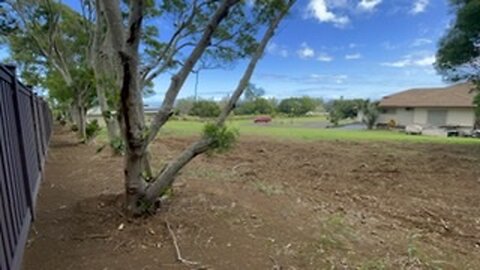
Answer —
(297, 106)
(74, 128)
(223, 137)
(118, 146)
(256, 106)
(92, 129)
(184, 105)
(370, 114)
(344, 108)
(205, 108)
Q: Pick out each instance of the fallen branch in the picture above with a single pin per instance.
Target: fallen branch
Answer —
(177, 248)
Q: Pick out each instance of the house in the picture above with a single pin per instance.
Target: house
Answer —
(450, 106)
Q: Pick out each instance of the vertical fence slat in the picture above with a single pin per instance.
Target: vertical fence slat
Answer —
(5, 227)
(35, 130)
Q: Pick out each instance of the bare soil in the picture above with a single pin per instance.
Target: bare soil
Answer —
(266, 205)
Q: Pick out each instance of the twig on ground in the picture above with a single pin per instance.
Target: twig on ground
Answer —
(234, 169)
(91, 236)
(177, 248)
(276, 266)
(119, 245)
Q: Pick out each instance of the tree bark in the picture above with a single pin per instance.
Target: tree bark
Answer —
(131, 105)
(79, 119)
(101, 63)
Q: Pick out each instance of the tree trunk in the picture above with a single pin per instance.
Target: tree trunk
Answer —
(79, 119)
(111, 122)
(82, 129)
(166, 178)
(101, 60)
(140, 195)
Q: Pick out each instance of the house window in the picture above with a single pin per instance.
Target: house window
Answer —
(388, 111)
(408, 109)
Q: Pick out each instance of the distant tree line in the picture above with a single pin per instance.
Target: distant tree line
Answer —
(253, 103)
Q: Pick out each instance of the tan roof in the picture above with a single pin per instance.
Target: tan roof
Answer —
(458, 95)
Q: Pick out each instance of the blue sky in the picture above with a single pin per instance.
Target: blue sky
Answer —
(334, 48)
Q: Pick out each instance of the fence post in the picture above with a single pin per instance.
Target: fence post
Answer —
(21, 139)
(41, 125)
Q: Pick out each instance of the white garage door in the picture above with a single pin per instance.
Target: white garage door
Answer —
(437, 117)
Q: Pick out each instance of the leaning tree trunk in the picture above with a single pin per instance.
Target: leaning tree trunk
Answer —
(111, 122)
(166, 178)
(101, 61)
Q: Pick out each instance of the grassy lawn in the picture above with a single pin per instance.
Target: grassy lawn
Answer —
(289, 131)
(292, 128)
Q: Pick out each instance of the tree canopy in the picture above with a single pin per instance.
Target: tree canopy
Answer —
(458, 56)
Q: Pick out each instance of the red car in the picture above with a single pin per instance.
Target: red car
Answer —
(262, 119)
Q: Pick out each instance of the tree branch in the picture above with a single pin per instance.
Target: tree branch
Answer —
(178, 79)
(166, 178)
(173, 40)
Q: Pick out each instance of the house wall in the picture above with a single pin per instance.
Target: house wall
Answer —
(401, 116)
(461, 117)
(455, 116)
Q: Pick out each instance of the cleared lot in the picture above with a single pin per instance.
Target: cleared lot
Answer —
(295, 204)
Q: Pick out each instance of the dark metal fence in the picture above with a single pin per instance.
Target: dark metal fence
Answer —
(25, 129)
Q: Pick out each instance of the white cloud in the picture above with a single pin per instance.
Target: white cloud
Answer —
(410, 61)
(368, 5)
(353, 56)
(283, 53)
(421, 41)
(387, 45)
(324, 78)
(398, 64)
(276, 49)
(419, 6)
(320, 11)
(305, 51)
(323, 57)
(425, 61)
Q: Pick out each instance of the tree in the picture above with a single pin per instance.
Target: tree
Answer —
(45, 41)
(297, 106)
(222, 24)
(184, 105)
(370, 113)
(340, 109)
(105, 65)
(205, 108)
(257, 106)
(252, 92)
(458, 55)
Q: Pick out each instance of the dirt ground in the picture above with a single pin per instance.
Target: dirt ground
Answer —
(266, 205)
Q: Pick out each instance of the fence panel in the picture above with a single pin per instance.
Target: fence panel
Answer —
(25, 128)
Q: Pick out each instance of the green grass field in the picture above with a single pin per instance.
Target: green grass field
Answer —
(288, 129)
(292, 128)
